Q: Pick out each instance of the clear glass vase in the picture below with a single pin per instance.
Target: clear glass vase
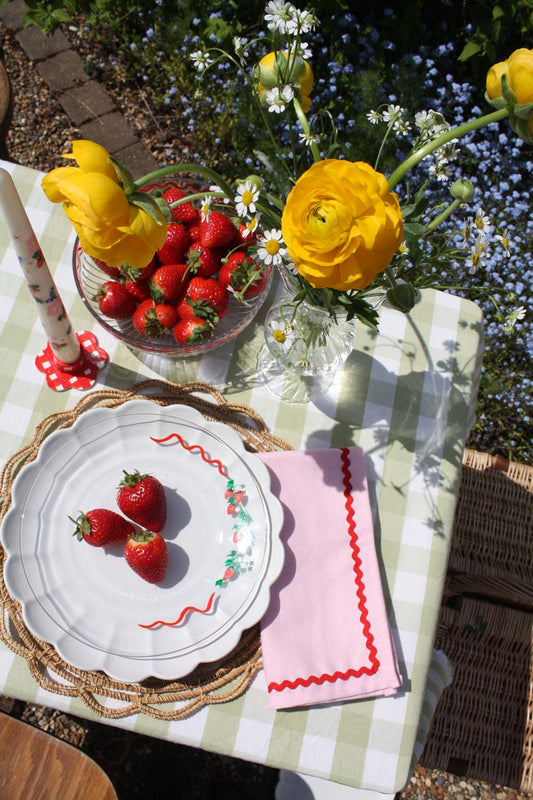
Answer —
(306, 339)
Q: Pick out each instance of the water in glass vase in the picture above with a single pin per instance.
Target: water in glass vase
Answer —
(306, 339)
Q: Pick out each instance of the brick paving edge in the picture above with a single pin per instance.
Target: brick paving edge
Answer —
(85, 101)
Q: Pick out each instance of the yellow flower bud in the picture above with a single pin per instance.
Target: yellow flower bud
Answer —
(518, 69)
(277, 69)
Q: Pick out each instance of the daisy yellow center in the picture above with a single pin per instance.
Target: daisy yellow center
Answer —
(247, 197)
(272, 247)
(479, 223)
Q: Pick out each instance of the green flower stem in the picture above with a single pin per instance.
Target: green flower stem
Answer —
(449, 136)
(307, 130)
(390, 277)
(442, 216)
(174, 169)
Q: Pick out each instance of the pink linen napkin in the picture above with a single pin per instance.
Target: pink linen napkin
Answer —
(325, 636)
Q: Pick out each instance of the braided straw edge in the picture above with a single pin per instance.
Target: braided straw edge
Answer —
(207, 684)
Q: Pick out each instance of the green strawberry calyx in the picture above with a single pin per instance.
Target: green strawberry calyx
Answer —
(142, 537)
(131, 479)
(83, 526)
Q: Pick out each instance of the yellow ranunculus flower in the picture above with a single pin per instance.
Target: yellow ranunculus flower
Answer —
(519, 71)
(341, 224)
(108, 226)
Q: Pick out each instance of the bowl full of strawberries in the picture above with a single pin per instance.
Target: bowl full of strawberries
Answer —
(203, 287)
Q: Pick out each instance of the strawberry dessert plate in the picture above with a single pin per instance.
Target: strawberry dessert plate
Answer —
(221, 532)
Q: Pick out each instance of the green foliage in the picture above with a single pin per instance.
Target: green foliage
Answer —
(495, 24)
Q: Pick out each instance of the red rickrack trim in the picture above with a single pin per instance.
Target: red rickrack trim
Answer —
(361, 596)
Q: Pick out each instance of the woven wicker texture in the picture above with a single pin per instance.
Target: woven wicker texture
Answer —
(491, 553)
(208, 684)
(483, 725)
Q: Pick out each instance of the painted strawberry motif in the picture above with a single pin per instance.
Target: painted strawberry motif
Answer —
(141, 497)
(175, 246)
(114, 300)
(147, 554)
(217, 231)
(101, 526)
(154, 319)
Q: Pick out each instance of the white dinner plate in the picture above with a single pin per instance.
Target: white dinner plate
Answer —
(224, 549)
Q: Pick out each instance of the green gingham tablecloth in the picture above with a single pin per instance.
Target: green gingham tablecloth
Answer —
(406, 396)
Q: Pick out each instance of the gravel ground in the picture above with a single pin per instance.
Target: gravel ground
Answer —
(40, 131)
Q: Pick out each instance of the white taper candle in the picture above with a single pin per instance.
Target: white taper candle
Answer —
(53, 316)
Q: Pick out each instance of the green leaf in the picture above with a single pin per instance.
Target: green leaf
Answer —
(414, 229)
(470, 49)
(148, 204)
(124, 176)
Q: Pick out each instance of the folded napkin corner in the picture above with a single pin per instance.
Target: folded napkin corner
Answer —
(325, 636)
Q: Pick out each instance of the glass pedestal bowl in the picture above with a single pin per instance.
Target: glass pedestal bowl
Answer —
(88, 278)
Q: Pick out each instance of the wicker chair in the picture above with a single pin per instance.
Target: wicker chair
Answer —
(483, 726)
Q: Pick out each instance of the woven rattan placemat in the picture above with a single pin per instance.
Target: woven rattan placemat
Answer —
(209, 683)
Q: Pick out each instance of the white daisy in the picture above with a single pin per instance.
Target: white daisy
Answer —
(478, 255)
(374, 117)
(481, 223)
(218, 190)
(306, 21)
(518, 314)
(201, 60)
(505, 242)
(246, 198)
(238, 46)
(270, 249)
(205, 208)
(309, 139)
(277, 99)
(278, 15)
(250, 226)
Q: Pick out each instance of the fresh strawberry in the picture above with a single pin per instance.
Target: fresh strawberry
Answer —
(154, 319)
(194, 232)
(146, 553)
(168, 282)
(217, 231)
(242, 275)
(142, 498)
(113, 272)
(139, 289)
(203, 261)
(191, 330)
(114, 300)
(101, 526)
(137, 274)
(185, 213)
(205, 298)
(175, 246)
